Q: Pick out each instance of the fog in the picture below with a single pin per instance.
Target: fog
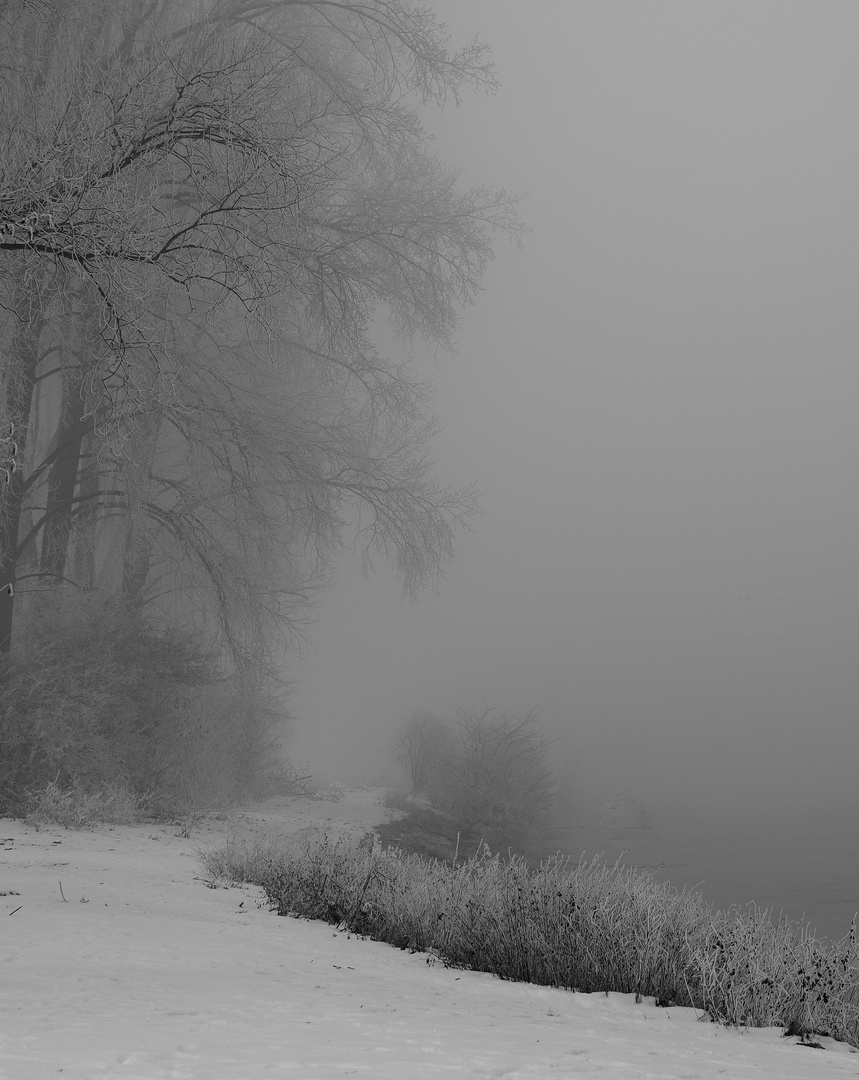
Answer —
(659, 397)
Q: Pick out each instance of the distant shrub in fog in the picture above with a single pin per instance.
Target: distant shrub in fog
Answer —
(503, 786)
(422, 746)
(488, 770)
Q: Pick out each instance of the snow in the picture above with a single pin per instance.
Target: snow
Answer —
(120, 962)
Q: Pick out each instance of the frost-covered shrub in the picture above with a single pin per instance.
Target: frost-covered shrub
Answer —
(588, 927)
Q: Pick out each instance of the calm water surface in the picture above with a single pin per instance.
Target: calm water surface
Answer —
(817, 888)
(810, 874)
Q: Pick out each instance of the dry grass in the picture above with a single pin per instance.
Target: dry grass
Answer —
(246, 860)
(590, 927)
(396, 799)
(755, 972)
(77, 807)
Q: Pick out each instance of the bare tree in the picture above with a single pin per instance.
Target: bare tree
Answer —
(504, 786)
(422, 746)
(201, 210)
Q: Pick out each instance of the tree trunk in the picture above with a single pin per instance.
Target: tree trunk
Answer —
(20, 382)
(136, 563)
(62, 481)
(80, 346)
(87, 517)
(137, 556)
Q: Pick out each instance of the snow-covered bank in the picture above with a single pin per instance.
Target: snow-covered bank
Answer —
(119, 962)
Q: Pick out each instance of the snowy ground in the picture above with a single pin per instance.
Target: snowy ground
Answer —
(117, 961)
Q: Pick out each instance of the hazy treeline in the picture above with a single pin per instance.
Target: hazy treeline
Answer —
(204, 207)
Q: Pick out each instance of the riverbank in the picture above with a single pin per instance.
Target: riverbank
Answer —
(120, 962)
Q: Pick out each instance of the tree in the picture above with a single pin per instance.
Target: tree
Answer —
(202, 209)
(488, 771)
(504, 786)
(423, 746)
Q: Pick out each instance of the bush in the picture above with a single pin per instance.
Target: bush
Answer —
(76, 808)
(394, 799)
(488, 771)
(504, 787)
(69, 706)
(423, 746)
(213, 744)
(93, 699)
(755, 972)
(591, 927)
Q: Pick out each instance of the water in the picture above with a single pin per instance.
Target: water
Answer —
(810, 873)
(809, 886)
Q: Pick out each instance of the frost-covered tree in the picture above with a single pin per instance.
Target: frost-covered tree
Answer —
(203, 209)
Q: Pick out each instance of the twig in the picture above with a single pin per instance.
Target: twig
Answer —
(12, 912)
(62, 894)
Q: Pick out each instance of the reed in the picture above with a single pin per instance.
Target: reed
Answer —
(589, 927)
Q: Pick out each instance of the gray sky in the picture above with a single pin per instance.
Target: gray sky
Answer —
(659, 396)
